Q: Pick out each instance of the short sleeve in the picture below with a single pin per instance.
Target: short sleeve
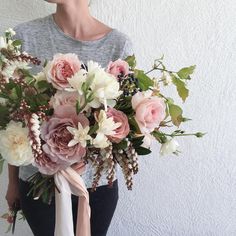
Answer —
(128, 48)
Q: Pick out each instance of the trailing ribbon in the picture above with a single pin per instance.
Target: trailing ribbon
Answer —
(70, 182)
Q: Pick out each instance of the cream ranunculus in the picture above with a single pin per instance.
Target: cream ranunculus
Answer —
(169, 147)
(15, 146)
(105, 86)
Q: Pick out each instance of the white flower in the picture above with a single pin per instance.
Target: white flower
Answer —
(14, 144)
(80, 135)
(11, 31)
(101, 141)
(103, 85)
(77, 81)
(11, 67)
(106, 126)
(147, 141)
(169, 147)
(166, 78)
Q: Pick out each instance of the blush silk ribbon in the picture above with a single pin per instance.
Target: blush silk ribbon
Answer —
(70, 182)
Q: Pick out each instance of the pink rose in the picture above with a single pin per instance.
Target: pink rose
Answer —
(149, 111)
(61, 68)
(118, 68)
(56, 137)
(123, 130)
(64, 98)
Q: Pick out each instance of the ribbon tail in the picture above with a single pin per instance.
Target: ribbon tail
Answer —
(84, 212)
(64, 218)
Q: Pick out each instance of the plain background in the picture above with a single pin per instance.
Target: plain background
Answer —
(193, 194)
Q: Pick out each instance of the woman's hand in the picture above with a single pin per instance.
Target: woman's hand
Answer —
(13, 190)
(13, 196)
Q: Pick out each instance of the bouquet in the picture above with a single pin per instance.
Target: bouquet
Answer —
(72, 112)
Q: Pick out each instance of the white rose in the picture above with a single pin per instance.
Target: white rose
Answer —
(169, 147)
(14, 144)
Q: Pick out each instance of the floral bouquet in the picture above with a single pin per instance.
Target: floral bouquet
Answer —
(73, 112)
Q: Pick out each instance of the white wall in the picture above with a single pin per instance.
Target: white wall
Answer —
(194, 194)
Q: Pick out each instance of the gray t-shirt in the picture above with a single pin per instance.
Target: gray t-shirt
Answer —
(43, 38)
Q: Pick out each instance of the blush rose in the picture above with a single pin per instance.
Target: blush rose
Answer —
(149, 111)
(61, 68)
(123, 130)
(118, 67)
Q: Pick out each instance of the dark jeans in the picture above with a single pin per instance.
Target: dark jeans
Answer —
(41, 216)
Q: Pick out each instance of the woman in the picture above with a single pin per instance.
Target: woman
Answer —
(71, 29)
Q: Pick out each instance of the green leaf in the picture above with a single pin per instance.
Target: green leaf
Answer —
(45, 63)
(144, 81)
(137, 142)
(43, 84)
(133, 125)
(142, 151)
(186, 72)
(78, 107)
(121, 145)
(159, 136)
(176, 114)
(16, 43)
(93, 129)
(131, 60)
(181, 88)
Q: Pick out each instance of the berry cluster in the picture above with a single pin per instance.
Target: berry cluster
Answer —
(129, 85)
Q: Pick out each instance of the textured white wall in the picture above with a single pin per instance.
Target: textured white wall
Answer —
(194, 194)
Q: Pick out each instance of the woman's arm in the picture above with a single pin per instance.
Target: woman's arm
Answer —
(13, 193)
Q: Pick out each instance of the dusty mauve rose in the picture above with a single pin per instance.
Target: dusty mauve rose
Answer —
(56, 136)
(149, 111)
(118, 67)
(64, 98)
(123, 130)
(61, 68)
